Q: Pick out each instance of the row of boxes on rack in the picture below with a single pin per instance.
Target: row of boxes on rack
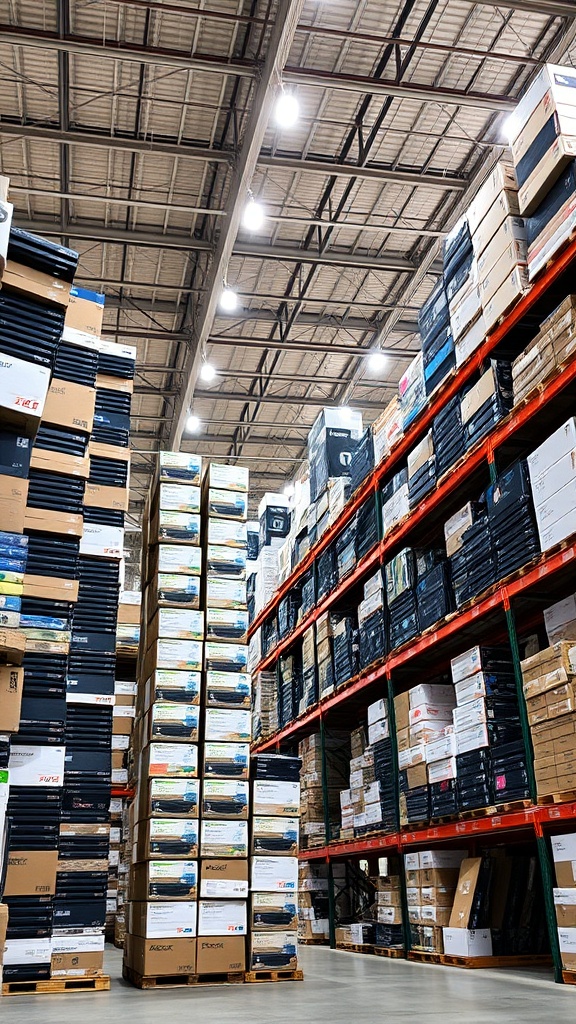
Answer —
(564, 854)
(320, 795)
(549, 681)
(479, 906)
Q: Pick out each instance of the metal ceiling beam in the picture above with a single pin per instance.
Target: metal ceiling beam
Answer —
(245, 397)
(49, 133)
(145, 204)
(280, 40)
(186, 151)
(287, 254)
(115, 235)
(237, 374)
(163, 308)
(550, 8)
(16, 35)
(237, 341)
(364, 84)
(329, 168)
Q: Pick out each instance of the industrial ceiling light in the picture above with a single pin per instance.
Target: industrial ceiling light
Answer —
(193, 424)
(228, 300)
(510, 128)
(376, 361)
(253, 216)
(207, 373)
(287, 109)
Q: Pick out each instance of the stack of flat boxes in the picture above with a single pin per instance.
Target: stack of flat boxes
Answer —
(462, 289)
(564, 853)
(124, 714)
(423, 722)
(499, 240)
(372, 621)
(395, 500)
(388, 909)
(227, 728)
(554, 345)
(274, 863)
(437, 340)
(309, 670)
(82, 883)
(352, 798)
(549, 681)
(163, 883)
(265, 712)
(421, 470)
(543, 141)
(128, 632)
(552, 468)
(431, 880)
(324, 659)
(412, 391)
(313, 921)
(38, 294)
(312, 799)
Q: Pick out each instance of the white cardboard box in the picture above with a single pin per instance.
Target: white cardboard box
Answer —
(274, 874)
(222, 917)
(467, 942)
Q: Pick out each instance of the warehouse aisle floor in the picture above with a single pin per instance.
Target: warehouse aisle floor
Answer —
(339, 988)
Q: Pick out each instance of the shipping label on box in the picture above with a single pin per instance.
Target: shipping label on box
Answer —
(36, 766)
(274, 874)
(222, 917)
(163, 920)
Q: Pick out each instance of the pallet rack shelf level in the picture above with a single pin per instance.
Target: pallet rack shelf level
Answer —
(499, 599)
(542, 288)
(448, 486)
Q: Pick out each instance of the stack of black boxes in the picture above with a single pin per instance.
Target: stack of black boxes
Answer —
(436, 335)
(400, 574)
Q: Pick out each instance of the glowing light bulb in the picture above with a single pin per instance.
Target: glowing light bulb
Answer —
(253, 216)
(207, 373)
(193, 424)
(287, 110)
(228, 300)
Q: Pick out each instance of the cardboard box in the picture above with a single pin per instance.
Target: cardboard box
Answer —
(36, 284)
(69, 465)
(99, 496)
(11, 684)
(229, 478)
(267, 947)
(227, 725)
(13, 495)
(276, 798)
(224, 839)
(464, 897)
(3, 929)
(274, 874)
(31, 873)
(567, 941)
(177, 497)
(84, 315)
(70, 405)
(179, 467)
(153, 836)
(564, 853)
(225, 798)
(161, 957)
(221, 954)
(51, 588)
(223, 760)
(274, 911)
(224, 879)
(222, 917)
(565, 906)
(465, 942)
(163, 920)
(76, 965)
(36, 766)
(171, 880)
(179, 798)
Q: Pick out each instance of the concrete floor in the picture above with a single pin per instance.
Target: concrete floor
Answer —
(339, 988)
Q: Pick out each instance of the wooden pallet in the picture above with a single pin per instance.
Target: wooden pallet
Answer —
(478, 962)
(558, 798)
(355, 947)
(393, 952)
(252, 977)
(56, 986)
(569, 977)
(176, 980)
(312, 942)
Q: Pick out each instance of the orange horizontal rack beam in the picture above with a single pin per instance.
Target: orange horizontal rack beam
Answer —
(500, 597)
(422, 423)
(534, 817)
(504, 430)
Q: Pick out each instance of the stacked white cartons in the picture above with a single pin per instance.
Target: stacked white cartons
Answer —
(542, 134)
(431, 880)
(499, 240)
(564, 853)
(429, 756)
(275, 837)
(387, 430)
(162, 913)
(227, 727)
(552, 470)
(412, 391)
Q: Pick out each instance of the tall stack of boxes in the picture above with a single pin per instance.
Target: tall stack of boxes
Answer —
(564, 853)
(35, 293)
(163, 884)
(553, 345)
(431, 881)
(549, 681)
(552, 468)
(226, 729)
(273, 942)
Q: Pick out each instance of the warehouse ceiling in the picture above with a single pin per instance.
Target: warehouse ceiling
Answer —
(135, 132)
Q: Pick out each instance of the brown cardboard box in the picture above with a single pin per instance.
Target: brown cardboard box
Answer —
(446, 877)
(129, 614)
(468, 878)
(566, 915)
(51, 588)
(13, 495)
(224, 878)
(12, 646)
(437, 895)
(160, 957)
(70, 405)
(217, 955)
(99, 496)
(84, 315)
(417, 776)
(77, 965)
(403, 739)
(49, 521)
(109, 451)
(35, 283)
(52, 462)
(31, 873)
(11, 683)
(123, 384)
(402, 711)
